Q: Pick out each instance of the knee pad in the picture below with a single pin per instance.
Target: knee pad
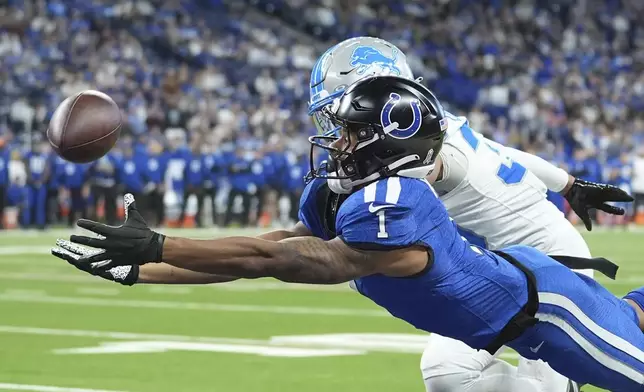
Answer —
(449, 356)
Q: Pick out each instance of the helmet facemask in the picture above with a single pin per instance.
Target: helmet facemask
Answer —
(341, 170)
(350, 164)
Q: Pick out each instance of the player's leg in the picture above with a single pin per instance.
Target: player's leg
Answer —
(76, 206)
(3, 204)
(184, 205)
(247, 198)
(449, 365)
(230, 203)
(584, 332)
(110, 196)
(29, 212)
(566, 241)
(41, 206)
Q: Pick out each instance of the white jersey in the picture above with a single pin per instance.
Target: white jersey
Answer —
(497, 200)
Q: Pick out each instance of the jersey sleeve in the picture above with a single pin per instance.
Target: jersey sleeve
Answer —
(308, 212)
(374, 219)
(555, 178)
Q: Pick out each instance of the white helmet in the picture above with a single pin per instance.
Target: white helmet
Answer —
(344, 64)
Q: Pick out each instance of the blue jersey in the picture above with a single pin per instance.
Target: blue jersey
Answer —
(240, 173)
(103, 172)
(154, 168)
(130, 174)
(4, 167)
(175, 169)
(296, 174)
(208, 170)
(275, 163)
(74, 175)
(57, 177)
(479, 289)
(38, 167)
(194, 171)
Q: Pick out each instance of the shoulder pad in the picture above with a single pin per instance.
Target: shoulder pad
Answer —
(384, 214)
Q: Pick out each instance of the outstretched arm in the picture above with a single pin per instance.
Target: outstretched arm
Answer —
(299, 259)
(163, 273)
(159, 273)
(303, 260)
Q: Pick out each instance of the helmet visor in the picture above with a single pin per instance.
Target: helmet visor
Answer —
(324, 124)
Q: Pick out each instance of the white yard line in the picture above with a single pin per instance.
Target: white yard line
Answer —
(22, 330)
(201, 306)
(411, 344)
(46, 388)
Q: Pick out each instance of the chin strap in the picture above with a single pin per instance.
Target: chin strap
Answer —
(387, 171)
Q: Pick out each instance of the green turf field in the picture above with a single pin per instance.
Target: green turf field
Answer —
(61, 329)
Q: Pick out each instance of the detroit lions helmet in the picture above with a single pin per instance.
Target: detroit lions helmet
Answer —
(346, 63)
(389, 125)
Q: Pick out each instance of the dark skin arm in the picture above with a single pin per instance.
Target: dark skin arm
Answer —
(297, 260)
(163, 273)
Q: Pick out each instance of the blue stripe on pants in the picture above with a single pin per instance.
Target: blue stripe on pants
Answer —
(585, 332)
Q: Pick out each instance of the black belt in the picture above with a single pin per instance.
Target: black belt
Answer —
(600, 264)
(524, 319)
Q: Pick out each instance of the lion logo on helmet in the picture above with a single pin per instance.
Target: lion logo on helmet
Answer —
(366, 58)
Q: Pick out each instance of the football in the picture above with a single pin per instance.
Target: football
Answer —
(85, 126)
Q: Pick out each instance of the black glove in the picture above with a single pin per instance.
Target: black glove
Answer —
(132, 243)
(584, 195)
(126, 274)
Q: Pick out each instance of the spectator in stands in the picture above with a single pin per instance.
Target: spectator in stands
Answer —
(154, 174)
(103, 176)
(638, 181)
(130, 172)
(194, 175)
(74, 182)
(553, 77)
(240, 175)
(39, 171)
(5, 157)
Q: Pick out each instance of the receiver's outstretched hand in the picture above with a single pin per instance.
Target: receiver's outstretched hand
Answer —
(132, 243)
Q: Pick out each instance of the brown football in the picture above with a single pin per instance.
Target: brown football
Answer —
(85, 126)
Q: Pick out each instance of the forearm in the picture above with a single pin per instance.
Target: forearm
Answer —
(231, 256)
(161, 273)
(555, 178)
(303, 259)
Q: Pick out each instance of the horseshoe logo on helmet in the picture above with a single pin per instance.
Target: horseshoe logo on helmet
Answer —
(401, 133)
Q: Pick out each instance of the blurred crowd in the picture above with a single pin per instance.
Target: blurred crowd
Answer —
(223, 86)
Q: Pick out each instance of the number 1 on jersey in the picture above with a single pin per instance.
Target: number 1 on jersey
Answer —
(382, 230)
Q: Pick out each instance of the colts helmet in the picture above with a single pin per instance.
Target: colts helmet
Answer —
(344, 64)
(388, 125)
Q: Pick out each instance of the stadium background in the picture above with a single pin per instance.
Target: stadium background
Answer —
(214, 95)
